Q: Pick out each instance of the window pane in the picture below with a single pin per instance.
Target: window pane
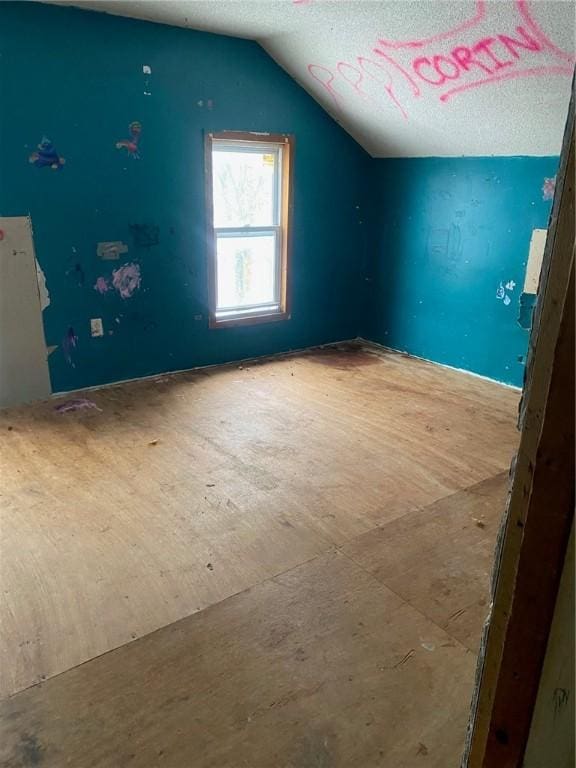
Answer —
(244, 187)
(246, 270)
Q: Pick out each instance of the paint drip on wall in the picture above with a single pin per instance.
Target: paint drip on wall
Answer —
(131, 144)
(126, 279)
(46, 156)
(548, 188)
(69, 343)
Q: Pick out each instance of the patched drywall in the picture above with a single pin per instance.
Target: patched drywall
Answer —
(410, 79)
(453, 239)
(103, 123)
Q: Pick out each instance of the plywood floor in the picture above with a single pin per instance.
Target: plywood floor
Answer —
(290, 559)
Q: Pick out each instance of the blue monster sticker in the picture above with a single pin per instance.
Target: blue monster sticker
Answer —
(46, 156)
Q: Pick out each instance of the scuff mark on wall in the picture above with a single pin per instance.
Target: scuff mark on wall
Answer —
(69, 343)
(126, 280)
(42, 289)
(145, 235)
(111, 250)
(77, 273)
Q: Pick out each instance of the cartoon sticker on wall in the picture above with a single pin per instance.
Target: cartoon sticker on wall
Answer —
(501, 292)
(46, 156)
(131, 144)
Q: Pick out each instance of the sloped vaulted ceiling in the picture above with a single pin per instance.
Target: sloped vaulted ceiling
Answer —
(414, 77)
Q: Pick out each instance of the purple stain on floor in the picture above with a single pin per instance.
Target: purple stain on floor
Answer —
(126, 279)
(79, 404)
(69, 342)
(101, 285)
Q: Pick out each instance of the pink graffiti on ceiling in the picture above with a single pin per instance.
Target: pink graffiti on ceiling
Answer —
(443, 65)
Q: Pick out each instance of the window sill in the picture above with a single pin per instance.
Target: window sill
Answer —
(230, 322)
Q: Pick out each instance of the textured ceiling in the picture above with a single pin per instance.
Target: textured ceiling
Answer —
(410, 78)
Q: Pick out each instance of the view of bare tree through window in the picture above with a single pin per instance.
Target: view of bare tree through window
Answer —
(242, 273)
(245, 205)
(241, 193)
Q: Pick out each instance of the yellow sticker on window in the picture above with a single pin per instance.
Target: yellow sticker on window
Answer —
(268, 159)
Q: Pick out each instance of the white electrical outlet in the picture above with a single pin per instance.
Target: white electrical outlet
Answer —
(96, 327)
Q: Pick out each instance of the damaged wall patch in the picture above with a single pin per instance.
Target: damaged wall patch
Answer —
(111, 250)
(42, 289)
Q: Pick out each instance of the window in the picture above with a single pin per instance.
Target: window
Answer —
(248, 208)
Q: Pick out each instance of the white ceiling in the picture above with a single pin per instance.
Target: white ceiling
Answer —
(520, 113)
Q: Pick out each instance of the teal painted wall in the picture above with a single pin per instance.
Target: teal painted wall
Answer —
(407, 252)
(448, 232)
(76, 77)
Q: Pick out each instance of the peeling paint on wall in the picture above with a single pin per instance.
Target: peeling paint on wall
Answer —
(527, 304)
(42, 289)
(111, 250)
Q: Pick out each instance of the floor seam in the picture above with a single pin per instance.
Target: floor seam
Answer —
(40, 683)
(406, 602)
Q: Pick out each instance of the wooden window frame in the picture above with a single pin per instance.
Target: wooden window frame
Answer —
(286, 141)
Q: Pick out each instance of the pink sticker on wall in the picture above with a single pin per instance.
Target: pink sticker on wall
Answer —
(548, 188)
(126, 280)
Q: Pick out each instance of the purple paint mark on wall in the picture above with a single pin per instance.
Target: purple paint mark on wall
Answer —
(78, 404)
(548, 188)
(101, 285)
(126, 279)
(69, 342)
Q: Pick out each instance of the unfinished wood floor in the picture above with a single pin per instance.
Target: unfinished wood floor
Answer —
(345, 502)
